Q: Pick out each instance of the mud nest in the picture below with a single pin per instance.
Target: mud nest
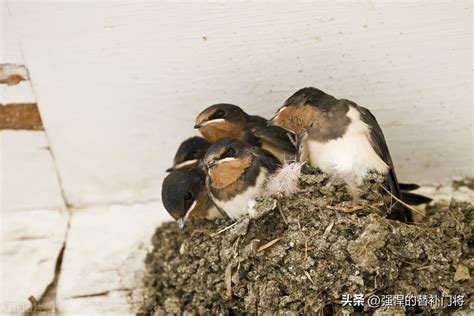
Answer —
(303, 253)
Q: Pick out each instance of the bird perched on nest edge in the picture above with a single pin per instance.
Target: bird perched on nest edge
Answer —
(343, 139)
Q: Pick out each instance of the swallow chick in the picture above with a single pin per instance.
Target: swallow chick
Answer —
(189, 153)
(236, 175)
(184, 195)
(227, 120)
(340, 138)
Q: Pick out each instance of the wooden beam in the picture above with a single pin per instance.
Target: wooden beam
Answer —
(20, 116)
(12, 74)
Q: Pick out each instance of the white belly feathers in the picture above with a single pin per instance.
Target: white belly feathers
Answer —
(213, 213)
(349, 156)
(244, 202)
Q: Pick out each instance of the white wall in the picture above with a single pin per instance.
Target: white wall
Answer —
(119, 85)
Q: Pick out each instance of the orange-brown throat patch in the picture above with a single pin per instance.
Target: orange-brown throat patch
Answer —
(213, 132)
(295, 118)
(226, 173)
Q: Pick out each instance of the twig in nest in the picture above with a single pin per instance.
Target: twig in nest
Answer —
(375, 206)
(235, 246)
(253, 244)
(277, 205)
(424, 267)
(364, 249)
(274, 204)
(305, 250)
(197, 232)
(403, 203)
(228, 280)
(328, 230)
(411, 263)
(346, 209)
(370, 293)
(308, 276)
(269, 244)
(224, 229)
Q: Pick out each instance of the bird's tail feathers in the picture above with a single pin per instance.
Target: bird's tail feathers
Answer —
(414, 199)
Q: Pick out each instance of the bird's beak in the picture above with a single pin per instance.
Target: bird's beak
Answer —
(272, 122)
(187, 163)
(208, 121)
(181, 222)
(212, 163)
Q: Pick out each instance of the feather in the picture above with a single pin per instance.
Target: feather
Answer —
(284, 181)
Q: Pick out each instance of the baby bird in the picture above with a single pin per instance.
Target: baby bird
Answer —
(189, 153)
(227, 120)
(340, 138)
(236, 175)
(184, 195)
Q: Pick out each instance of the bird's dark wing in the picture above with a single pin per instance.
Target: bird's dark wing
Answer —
(248, 137)
(267, 160)
(379, 144)
(377, 140)
(276, 136)
(254, 121)
(415, 199)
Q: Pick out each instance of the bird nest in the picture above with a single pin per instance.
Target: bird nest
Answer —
(312, 253)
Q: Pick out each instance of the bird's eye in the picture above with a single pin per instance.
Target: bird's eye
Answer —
(188, 196)
(219, 114)
(230, 152)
